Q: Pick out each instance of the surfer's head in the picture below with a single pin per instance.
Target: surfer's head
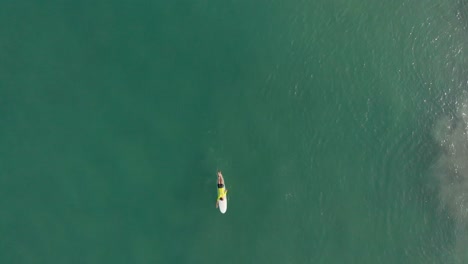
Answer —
(221, 198)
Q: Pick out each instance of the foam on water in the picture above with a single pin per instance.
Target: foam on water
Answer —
(451, 169)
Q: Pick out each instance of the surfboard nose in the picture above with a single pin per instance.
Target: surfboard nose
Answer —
(223, 205)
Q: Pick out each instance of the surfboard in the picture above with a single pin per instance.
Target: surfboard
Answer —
(222, 205)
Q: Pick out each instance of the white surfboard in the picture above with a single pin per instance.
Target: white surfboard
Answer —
(222, 204)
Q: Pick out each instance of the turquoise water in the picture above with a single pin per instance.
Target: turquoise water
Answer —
(339, 126)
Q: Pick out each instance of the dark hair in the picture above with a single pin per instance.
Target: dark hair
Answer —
(221, 198)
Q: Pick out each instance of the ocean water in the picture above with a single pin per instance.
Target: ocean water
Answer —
(340, 128)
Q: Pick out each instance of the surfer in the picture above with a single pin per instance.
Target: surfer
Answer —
(221, 190)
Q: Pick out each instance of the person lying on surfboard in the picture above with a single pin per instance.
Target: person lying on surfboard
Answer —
(221, 190)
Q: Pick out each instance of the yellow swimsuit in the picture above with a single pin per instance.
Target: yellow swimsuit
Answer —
(221, 192)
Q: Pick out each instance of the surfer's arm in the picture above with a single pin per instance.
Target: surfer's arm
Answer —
(217, 201)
